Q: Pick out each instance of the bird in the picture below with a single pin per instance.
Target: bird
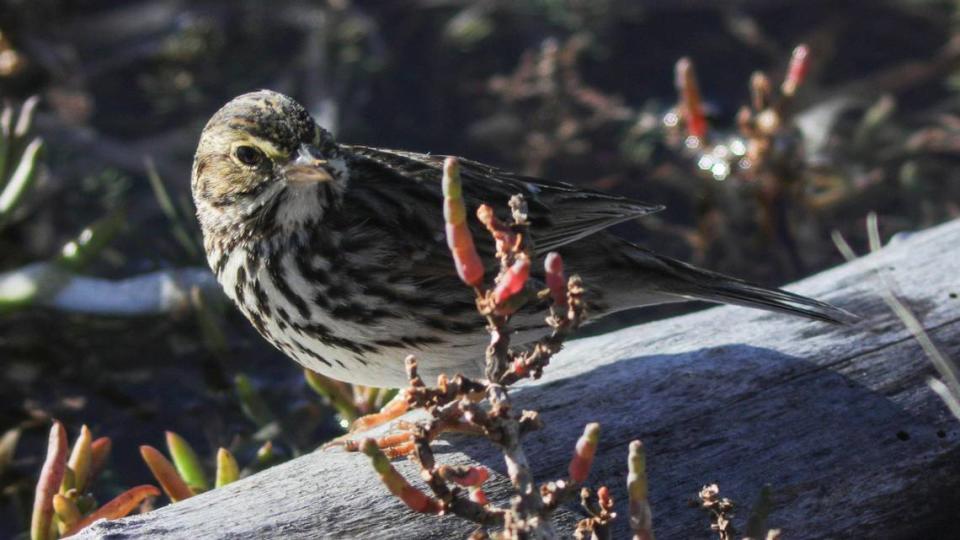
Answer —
(336, 252)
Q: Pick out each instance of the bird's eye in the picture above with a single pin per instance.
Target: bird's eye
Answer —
(248, 155)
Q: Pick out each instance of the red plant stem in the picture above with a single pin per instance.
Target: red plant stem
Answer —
(604, 499)
(171, 482)
(512, 281)
(415, 499)
(51, 476)
(120, 506)
(478, 496)
(556, 282)
(459, 240)
(471, 477)
(797, 72)
(504, 238)
(100, 451)
(690, 102)
(583, 454)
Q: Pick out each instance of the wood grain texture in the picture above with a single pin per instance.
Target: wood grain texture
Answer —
(839, 420)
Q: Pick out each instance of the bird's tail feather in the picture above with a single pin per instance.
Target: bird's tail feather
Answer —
(694, 283)
(746, 294)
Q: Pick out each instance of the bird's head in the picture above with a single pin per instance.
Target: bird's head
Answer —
(264, 165)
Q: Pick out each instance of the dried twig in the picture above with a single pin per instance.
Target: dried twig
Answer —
(720, 509)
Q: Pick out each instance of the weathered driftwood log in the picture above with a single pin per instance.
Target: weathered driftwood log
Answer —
(838, 420)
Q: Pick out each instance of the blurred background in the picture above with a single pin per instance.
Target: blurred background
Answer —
(108, 316)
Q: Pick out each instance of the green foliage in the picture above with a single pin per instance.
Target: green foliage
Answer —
(178, 214)
(19, 152)
(19, 170)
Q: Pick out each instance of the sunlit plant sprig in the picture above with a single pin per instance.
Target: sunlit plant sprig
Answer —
(185, 477)
(63, 503)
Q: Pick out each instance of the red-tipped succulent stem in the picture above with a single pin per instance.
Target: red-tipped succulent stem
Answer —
(797, 72)
(556, 282)
(583, 453)
(641, 518)
(690, 103)
(166, 474)
(459, 240)
(51, 476)
(512, 281)
(417, 500)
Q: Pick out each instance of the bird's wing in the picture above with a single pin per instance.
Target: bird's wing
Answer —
(559, 213)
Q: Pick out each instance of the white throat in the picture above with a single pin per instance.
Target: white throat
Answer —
(305, 204)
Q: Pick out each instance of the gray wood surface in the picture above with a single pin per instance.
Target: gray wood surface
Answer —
(839, 420)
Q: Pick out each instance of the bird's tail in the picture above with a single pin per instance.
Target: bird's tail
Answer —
(692, 283)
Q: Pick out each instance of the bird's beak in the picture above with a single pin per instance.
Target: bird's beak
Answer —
(306, 168)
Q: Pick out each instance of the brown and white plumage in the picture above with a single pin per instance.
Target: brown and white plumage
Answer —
(336, 253)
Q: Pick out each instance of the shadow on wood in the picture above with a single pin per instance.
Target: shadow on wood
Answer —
(838, 420)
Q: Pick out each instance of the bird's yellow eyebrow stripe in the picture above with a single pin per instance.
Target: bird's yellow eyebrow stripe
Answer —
(242, 138)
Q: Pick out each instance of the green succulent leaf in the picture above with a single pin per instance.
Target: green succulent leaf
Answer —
(227, 469)
(187, 463)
